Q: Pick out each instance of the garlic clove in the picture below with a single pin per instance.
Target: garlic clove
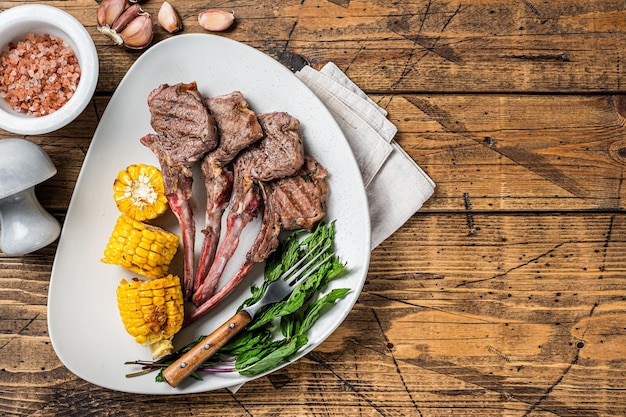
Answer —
(169, 19)
(109, 11)
(138, 33)
(125, 18)
(216, 20)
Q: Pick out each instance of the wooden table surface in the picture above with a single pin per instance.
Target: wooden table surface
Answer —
(504, 295)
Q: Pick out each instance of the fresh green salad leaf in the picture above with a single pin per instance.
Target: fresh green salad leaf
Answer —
(245, 341)
(289, 324)
(257, 353)
(299, 295)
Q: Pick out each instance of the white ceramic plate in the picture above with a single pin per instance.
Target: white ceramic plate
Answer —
(85, 328)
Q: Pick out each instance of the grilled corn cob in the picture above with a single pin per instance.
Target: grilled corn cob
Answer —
(141, 248)
(138, 192)
(152, 311)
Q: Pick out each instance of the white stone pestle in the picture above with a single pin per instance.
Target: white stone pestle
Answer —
(25, 225)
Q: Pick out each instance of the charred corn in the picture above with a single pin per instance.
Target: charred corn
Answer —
(141, 248)
(152, 311)
(138, 192)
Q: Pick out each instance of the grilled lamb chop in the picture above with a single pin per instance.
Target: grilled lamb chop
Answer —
(289, 204)
(280, 153)
(237, 128)
(177, 111)
(237, 125)
(185, 133)
(300, 200)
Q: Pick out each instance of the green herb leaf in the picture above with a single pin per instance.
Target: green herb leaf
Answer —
(289, 324)
(276, 357)
(315, 310)
(254, 355)
(246, 341)
(296, 314)
(300, 294)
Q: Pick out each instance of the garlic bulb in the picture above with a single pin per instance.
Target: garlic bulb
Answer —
(129, 26)
(215, 20)
(168, 18)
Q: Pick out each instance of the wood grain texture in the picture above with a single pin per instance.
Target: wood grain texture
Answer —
(428, 46)
(503, 296)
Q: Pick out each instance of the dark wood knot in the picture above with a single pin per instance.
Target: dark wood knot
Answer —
(617, 150)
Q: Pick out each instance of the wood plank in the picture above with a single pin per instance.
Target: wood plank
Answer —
(417, 46)
(515, 152)
(487, 152)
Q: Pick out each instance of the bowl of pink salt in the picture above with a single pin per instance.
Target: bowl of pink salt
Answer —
(48, 69)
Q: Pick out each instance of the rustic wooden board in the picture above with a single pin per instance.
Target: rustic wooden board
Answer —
(503, 296)
(515, 152)
(442, 46)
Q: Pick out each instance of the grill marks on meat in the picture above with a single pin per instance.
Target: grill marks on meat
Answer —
(279, 153)
(300, 201)
(237, 125)
(290, 203)
(185, 133)
(237, 128)
(177, 112)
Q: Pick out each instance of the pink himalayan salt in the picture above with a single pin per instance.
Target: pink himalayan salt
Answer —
(38, 75)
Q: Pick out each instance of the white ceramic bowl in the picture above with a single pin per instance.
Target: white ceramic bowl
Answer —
(40, 19)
